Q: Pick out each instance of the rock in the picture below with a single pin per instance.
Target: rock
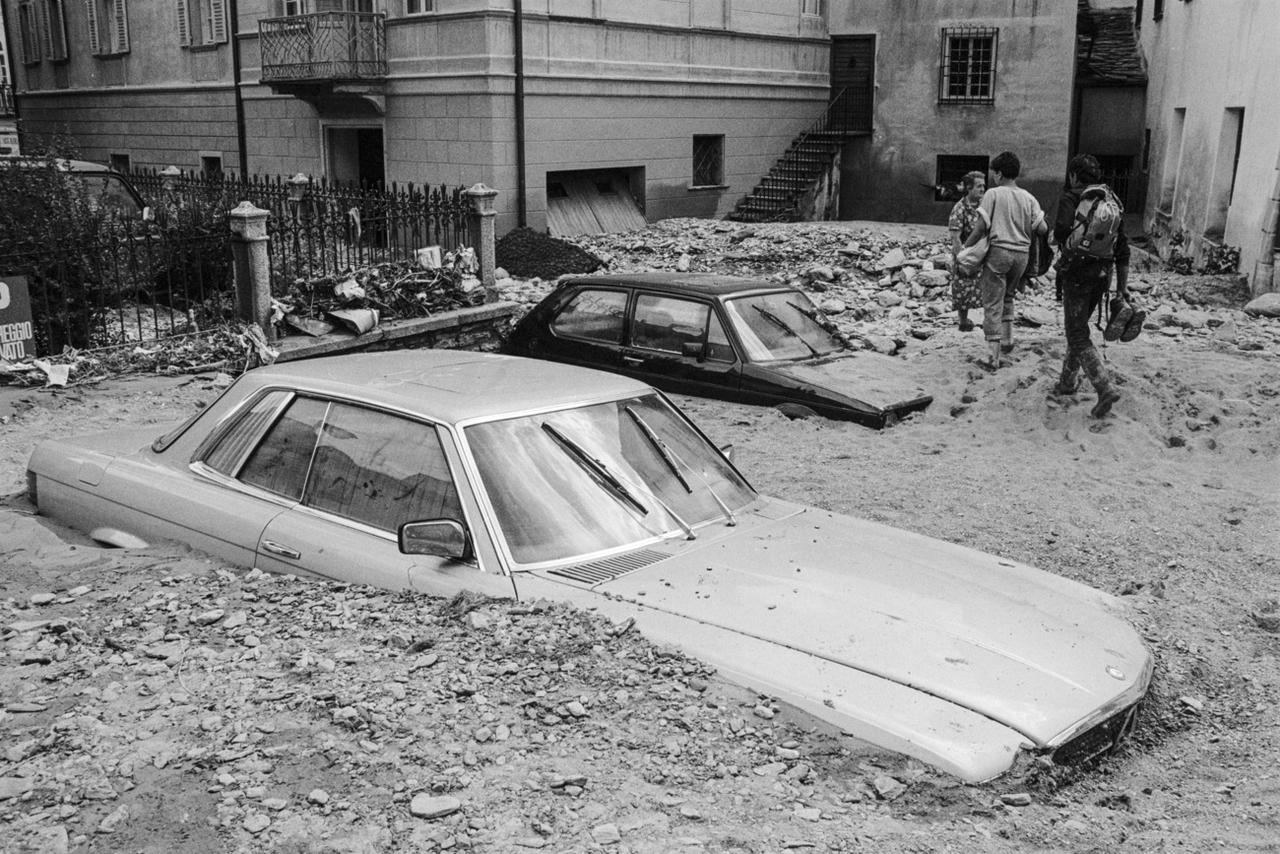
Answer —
(823, 273)
(892, 260)
(798, 772)
(1016, 799)
(430, 807)
(770, 769)
(932, 279)
(1035, 316)
(1266, 305)
(606, 834)
(211, 723)
(576, 709)
(478, 619)
(256, 822)
(41, 598)
(833, 306)
(237, 619)
(1226, 333)
(808, 814)
(888, 298)
(114, 819)
(208, 618)
(763, 712)
(13, 787)
(684, 263)
(883, 344)
(1193, 703)
(690, 812)
(887, 787)
(1193, 318)
(318, 796)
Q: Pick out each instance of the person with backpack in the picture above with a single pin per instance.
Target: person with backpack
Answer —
(1089, 231)
(1009, 217)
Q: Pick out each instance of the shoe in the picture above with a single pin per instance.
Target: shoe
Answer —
(1006, 348)
(1106, 398)
(1061, 389)
(1121, 313)
(966, 325)
(1134, 326)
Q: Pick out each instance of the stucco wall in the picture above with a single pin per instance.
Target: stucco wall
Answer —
(891, 175)
(1206, 59)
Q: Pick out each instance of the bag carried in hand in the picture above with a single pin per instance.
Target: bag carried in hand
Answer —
(1098, 217)
(969, 259)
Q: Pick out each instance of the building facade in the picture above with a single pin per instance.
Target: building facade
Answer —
(955, 84)
(678, 105)
(1214, 122)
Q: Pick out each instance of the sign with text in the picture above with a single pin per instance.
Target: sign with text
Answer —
(17, 334)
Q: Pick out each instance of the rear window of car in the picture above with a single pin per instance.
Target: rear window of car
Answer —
(596, 315)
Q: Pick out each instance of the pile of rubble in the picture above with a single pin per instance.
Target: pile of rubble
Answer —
(885, 286)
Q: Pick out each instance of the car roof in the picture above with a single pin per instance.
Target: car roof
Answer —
(704, 284)
(450, 385)
(62, 163)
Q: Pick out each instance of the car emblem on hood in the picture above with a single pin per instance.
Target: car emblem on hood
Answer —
(1115, 672)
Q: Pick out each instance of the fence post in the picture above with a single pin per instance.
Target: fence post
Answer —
(252, 268)
(482, 228)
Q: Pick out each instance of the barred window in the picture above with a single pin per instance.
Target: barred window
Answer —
(202, 22)
(810, 7)
(967, 70)
(708, 161)
(108, 26)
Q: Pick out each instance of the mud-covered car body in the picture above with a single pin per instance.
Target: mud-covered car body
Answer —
(447, 471)
(718, 336)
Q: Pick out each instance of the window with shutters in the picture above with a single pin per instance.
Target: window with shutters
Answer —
(108, 26)
(28, 33)
(419, 7)
(202, 22)
(53, 30)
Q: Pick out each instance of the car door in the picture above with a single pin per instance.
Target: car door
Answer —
(680, 345)
(368, 472)
(587, 329)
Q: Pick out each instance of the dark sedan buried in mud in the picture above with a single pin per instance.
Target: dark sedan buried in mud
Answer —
(447, 471)
(717, 336)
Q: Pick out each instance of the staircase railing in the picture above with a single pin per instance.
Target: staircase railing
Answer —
(795, 168)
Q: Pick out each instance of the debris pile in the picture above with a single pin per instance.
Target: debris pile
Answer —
(532, 254)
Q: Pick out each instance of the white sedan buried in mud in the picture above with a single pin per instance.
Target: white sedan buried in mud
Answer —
(444, 471)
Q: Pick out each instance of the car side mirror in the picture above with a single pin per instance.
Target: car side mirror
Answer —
(694, 350)
(727, 450)
(439, 537)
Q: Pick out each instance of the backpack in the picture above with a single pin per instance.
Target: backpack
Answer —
(1096, 223)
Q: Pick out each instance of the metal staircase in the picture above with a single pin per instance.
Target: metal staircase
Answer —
(809, 157)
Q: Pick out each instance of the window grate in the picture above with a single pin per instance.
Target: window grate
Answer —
(967, 66)
(708, 161)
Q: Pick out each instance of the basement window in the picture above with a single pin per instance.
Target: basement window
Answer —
(708, 161)
(948, 185)
(967, 67)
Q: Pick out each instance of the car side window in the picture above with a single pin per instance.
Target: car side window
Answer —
(235, 442)
(280, 462)
(381, 470)
(667, 324)
(593, 314)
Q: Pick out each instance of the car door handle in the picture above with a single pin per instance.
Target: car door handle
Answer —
(633, 361)
(282, 551)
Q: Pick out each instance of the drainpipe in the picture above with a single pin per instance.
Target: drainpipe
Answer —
(522, 214)
(241, 134)
(1265, 270)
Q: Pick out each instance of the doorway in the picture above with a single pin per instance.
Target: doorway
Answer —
(356, 156)
(853, 70)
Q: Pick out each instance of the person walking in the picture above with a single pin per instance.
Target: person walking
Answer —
(1085, 279)
(965, 292)
(1008, 216)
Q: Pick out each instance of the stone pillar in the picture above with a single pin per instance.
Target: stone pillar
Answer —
(482, 234)
(252, 268)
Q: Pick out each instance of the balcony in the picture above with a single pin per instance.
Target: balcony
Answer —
(6, 101)
(325, 54)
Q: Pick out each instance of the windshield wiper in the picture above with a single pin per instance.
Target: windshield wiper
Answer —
(673, 461)
(598, 470)
(782, 324)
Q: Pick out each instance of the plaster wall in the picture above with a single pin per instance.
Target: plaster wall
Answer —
(1205, 60)
(891, 175)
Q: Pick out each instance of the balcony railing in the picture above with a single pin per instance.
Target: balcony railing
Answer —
(6, 101)
(323, 46)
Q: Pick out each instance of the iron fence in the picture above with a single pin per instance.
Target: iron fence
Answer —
(322, 228)
(130, 283)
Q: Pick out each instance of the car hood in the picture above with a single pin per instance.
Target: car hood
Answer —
(884, 382)
(1033, 651)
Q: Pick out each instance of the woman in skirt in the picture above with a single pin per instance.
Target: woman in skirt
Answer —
(965, 293)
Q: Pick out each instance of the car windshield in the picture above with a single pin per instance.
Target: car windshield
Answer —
(784, 325)
(109, 191)
(575, 482)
